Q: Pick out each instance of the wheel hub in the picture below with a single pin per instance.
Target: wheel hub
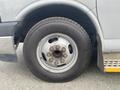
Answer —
(58, 54)
(54, 53)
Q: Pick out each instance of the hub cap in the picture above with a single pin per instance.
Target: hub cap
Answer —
(57, 53)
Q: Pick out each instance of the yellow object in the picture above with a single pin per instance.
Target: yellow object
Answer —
(112, 69)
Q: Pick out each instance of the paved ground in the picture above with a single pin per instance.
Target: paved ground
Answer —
(16, 76)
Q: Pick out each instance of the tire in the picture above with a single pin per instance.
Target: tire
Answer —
(65, 27)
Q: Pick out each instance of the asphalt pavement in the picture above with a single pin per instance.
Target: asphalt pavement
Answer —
(16, 76)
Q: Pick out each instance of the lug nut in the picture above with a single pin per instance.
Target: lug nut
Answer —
(49, 54)
(65, 55)
(52, 48)
(57, 47)
(62, 61)
(50, 60)
(56, 62)
(63, 49)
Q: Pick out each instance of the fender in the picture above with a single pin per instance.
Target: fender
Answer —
(21, 15)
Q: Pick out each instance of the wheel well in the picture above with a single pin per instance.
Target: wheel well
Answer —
(54, 11)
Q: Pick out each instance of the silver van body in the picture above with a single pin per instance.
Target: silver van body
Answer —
(104, 14)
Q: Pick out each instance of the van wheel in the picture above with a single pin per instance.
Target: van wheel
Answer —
(57, 49)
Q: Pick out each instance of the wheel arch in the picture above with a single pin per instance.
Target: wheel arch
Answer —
(70, 9)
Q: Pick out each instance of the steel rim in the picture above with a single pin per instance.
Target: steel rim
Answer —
(57, 53)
